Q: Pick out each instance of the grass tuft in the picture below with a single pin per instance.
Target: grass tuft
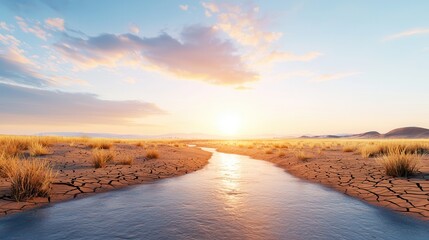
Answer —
(126, 160)
(101, 157)
(152, 154)
(301, 155)
(29, 178)
(400, 163)
(37, 149)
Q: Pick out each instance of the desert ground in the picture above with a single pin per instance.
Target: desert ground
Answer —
(74, 172)
(354, 167)
(35, 171)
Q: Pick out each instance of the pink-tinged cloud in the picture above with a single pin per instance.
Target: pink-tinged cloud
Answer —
(334, 76)
(36, 29)
(55, 24)
(408, 33)
(21, 105)
(286, 56)
(198, 54)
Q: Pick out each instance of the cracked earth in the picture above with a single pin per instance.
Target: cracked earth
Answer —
(76, 176)
(350, 173)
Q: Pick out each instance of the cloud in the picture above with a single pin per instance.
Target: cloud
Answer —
(55, 23)
(210, 8)
(134, 29)
(286, 56)
(245, 25)
(20, 105)
(408, 33)
(198, 54)
(5, 26)
(14, 71)
(184, 7)
(36, 29)
(334, 76)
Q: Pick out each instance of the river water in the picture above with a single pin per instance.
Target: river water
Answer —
(233, 197)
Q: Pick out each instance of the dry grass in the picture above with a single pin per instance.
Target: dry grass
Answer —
(101, 157)
(126, 160)
(37, 149)
(400, 163)
(100, 144)
(29, 178)
(269, 151)
(152, 154)
(281, 154)
(349, 148)
(302, 156)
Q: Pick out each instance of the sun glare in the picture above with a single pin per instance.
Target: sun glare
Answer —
(229, 124)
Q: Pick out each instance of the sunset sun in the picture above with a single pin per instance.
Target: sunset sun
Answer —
(229, 123)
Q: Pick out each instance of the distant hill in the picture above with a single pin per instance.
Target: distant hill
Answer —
(405, 132)
(408, 132)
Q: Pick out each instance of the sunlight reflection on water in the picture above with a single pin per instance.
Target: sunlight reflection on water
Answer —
(233, 197)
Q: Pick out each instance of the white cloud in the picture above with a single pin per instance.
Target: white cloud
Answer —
(5, 26)
(334, 76)
(184, 7)
(55, 23)
(36, 29)
(408, 33)
(134, 29)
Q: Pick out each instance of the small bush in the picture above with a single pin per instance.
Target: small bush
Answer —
(101, 157)
(37, 149)
(282, 154)
(100, 144)
(269, 151)
(152, 154)
(400, 163)
(301, 155)
(126, 160)
(29, 178)
(348, 149)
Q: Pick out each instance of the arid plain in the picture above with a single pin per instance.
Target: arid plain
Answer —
(36, 171)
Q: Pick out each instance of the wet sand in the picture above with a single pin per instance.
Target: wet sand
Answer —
(78, 178)
(350, 173)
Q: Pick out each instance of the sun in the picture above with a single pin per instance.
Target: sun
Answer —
(229, 123)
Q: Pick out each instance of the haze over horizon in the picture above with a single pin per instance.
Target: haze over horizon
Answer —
(213, 67)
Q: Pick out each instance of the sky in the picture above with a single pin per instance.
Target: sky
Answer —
(247, 68)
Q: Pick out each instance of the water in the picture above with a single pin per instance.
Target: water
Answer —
(233, 197)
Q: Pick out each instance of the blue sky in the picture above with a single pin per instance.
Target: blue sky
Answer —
(155, 67)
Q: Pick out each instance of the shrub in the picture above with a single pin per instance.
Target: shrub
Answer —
(37, 149)
(348, 149)
(29, 178)
(400, 163)
(282, 154)
(301, 155)
(101, 157)
(152, 154)
(100, 144)
(126, 160)
(269, 151)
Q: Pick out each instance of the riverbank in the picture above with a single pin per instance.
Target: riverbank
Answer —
(76, 176)
(346, 170)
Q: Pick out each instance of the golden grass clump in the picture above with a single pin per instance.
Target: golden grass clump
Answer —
(29, 178)
(37, 149)
(349, 148)
(126, 160)
(301, 155)
(152, 154)
(101, 157)
(281, 154)
(100, 144)
(269, 151)
(400, 163)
